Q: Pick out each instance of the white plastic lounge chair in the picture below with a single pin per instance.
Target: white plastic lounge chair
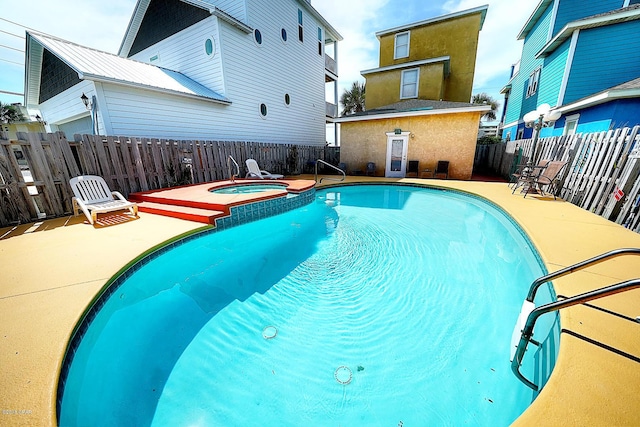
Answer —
(255, 172)
(93, 196)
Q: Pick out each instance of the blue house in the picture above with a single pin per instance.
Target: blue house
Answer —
(582, 59)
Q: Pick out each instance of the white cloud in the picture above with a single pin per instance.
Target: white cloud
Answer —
(356, 21)
(101, 25)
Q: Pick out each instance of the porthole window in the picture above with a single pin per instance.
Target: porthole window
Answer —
(258, 36)
(263, 110)
(210, 47)
(287, 99)
(283, 33)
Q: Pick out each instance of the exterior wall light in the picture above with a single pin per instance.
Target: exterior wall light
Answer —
(40, 120)
(85, 101)
(91, 105)
(543, 116)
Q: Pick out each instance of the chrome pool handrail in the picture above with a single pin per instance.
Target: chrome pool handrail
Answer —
(578, 266)
(229, 160)
(331, 166)
(527, 331)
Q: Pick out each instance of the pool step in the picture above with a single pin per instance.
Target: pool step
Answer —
(206, 216)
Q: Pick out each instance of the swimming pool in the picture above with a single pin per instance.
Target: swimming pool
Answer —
(374, 305)
(248, 188)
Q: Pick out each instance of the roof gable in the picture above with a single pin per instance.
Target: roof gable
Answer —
(533, 19)
(162, 19)
(612, 17)
(58, 77)
(482, 10)
(95, 65)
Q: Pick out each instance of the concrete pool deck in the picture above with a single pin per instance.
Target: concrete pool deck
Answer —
(50, 272)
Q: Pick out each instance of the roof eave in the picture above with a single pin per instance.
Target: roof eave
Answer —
(537, 12)
(599, 21)
(479, 9)
(413, 113)
(328, 27)
(104, 79)
(600, 98)
(445, 59)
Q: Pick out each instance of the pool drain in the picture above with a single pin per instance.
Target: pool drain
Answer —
(343, 375)
(269, 332)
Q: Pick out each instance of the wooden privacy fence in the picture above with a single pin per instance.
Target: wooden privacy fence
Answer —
(127, 164)
(602, 172)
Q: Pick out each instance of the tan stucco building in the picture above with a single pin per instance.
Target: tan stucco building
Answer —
(417, 100)
(427, 131)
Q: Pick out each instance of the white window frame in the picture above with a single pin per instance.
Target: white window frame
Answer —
(395, 44)
(402, 83)
(573, 120)
(534, 80)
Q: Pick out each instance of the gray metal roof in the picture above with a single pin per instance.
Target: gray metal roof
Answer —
(417, 105)
(414, 107)
(92, 64)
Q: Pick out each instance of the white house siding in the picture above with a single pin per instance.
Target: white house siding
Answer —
(185, 52)
(264, 74)
(67, 106)
(139, 112)
(253, 74)
(235, 8)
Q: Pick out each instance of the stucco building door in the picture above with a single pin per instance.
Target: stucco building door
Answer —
(396, 154)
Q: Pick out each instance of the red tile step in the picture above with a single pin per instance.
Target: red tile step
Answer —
(206, 216)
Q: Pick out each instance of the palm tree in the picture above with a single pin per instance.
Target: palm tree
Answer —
(353, 100)
(484, 98)
(10, 114)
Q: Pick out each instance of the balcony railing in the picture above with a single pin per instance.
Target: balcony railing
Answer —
(331, 109)
(330, 65)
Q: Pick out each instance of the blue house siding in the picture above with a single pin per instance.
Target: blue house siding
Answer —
(535, 40)
(612, 115)
(572, 10)
(620, 113)
(552, 75)
(619, 44)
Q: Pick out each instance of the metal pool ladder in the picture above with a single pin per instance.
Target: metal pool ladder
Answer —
(529, 313)
(232, 175)
(327, 178)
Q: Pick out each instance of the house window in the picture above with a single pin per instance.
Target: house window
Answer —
(258, 36)
(210, 47)
(409, 84)
(300, 30)
(570, 124)
(283, 34)
(287, 99)
(534, 78)
(263, 110)
(401, 48)
(319, 41)
(520, 134)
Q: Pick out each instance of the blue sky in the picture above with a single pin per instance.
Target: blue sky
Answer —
(84, 22)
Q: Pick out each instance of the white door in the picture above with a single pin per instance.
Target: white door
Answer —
(396, 154)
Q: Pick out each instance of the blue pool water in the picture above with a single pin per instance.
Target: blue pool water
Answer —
(248, 188)
(372, 306)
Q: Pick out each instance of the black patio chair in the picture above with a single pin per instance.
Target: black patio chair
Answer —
(413, 167)
(442, 168)
(371, 169)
